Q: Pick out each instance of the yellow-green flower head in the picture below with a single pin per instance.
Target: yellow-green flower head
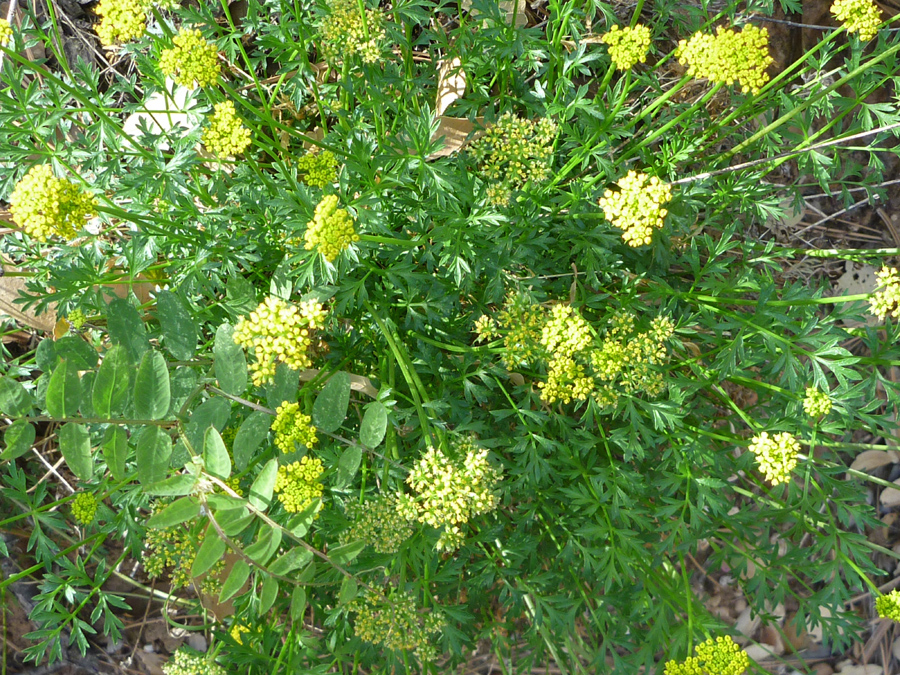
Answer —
(176, 548)
(292, 426)
(298, 484)
(331, 230)
(188, 662)
(636, 208)
(76, 318)
(728, 56)
(565, 333)
(237, 630)
(887, 300)
(394, 620)
(722, 656)
(121, 21)
(192, 62)
(46, 206)
(777, 456)
(277, 331)
(378, 523)
(690, 666)
(524, 322)
(226, 135)
(566, 381)
(318, 169)
(5, 32)
(888, 606)
(858, 16)
(84, 507)
(817, 403)
(627, 46)
(345, 32)
(485, 328)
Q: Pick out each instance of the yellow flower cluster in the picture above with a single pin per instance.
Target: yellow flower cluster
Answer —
(5, 32)
(627, 46)
(637, 208)
(298, 484)
(192, 61)
(721, 656)
(565, 331)
(121, 21)
(514, 152)
(378, 523)
(76, 319)
(291, 426)
(566, 381)
(277, 331)
(523, 321)
(858, 16)
(226, 135)
(188, 662)
(331, 230)
(564, 335)
(728, 56)
(44, 205)
(485, 328)
(318, 169)
(392, 619)
(176, 548)
(817, 403)
(345, 32)
(887, 300)
(888, 606)
(236, 631)
(84, 508)
(776, 456)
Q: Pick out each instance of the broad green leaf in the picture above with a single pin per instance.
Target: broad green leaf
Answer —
(112, 383)
(183, 381)
(236, 579)
(263, 486)
(348, 464)
(252, 432)
(178, 327)
(154, 448)
(75, 446)
(266, 544)
(343, 555)
(212, 413)
(210, 552)
(19, 437)
(126, 329)
(45, 355)
(87, 398)
(374, 425)
(76, 351)
(64, 391)
(299, 524)
(215, 455)
(179, 511)
(174, 486)
(223, 501)
(294, 559)
(298, 603)
(115, 451)
(15, 401)
(330, 407)
(280, 285)
(230, 362)
(284, 387)
(349, 591)
(234, 521)
(240, 297)
(151, 387)
(268, 594)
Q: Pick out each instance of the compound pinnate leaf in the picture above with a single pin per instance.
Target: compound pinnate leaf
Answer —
(236, 579)
(210, 552)
(154, 448)
(126, 329)
(75, 446)
(178, 327)
(64, 391)
(19, 437)
(253, 431)
(179, 511)
(330, 407)
(264, 485)
(152, 392)
(115, 450)
(215, 455)
(112, 383)
(230, 362)
(15, 401)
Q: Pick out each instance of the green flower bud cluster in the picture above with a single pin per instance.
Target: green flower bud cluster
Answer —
(318, 169)
(46, 206)
(887, 300)
(84, 507)
(277, 331)
(291, 425)
(121, 21)
(188, 662)
(175, 548)
(637, 208)
(776, 456)
(297, 484)
(728, 56)
(345, 32)
(514, 152)
(817, 403)
(858, 16)
(192, 62)
(378, 523)
(888, 606)
(76, 319)
(720, 656)
(226, 135)
(392, 619)
(627, 46)
(5, 32)
(331, 230)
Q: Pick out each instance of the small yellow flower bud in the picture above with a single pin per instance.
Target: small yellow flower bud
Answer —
(192, 61)
(858, 16)
(46, 206)
(331, 230)
(122, 21)
(226, 135)
(627, 46)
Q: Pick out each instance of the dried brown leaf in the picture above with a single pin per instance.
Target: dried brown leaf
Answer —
(872, 459)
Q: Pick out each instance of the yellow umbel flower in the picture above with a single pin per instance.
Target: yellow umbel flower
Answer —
(721, 656)
(627, 46)
(777, 456)
(84, 508)
(887, 300)
(858, 16)
(345, 32)
(44, 205)
(5, 32)
(121, 21)
(524, 322)
(636, 208)
(728, 56)
(236, 631)
(394, 620)
(318, 169)
(378, 523)
(331, 230)
(298, 484)
(277, 331)
(188, 662)
(817, 403)
(226, 135)
(888, 606)
(192, 62)
(565, 332)
(291, 425)
(566, 381)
